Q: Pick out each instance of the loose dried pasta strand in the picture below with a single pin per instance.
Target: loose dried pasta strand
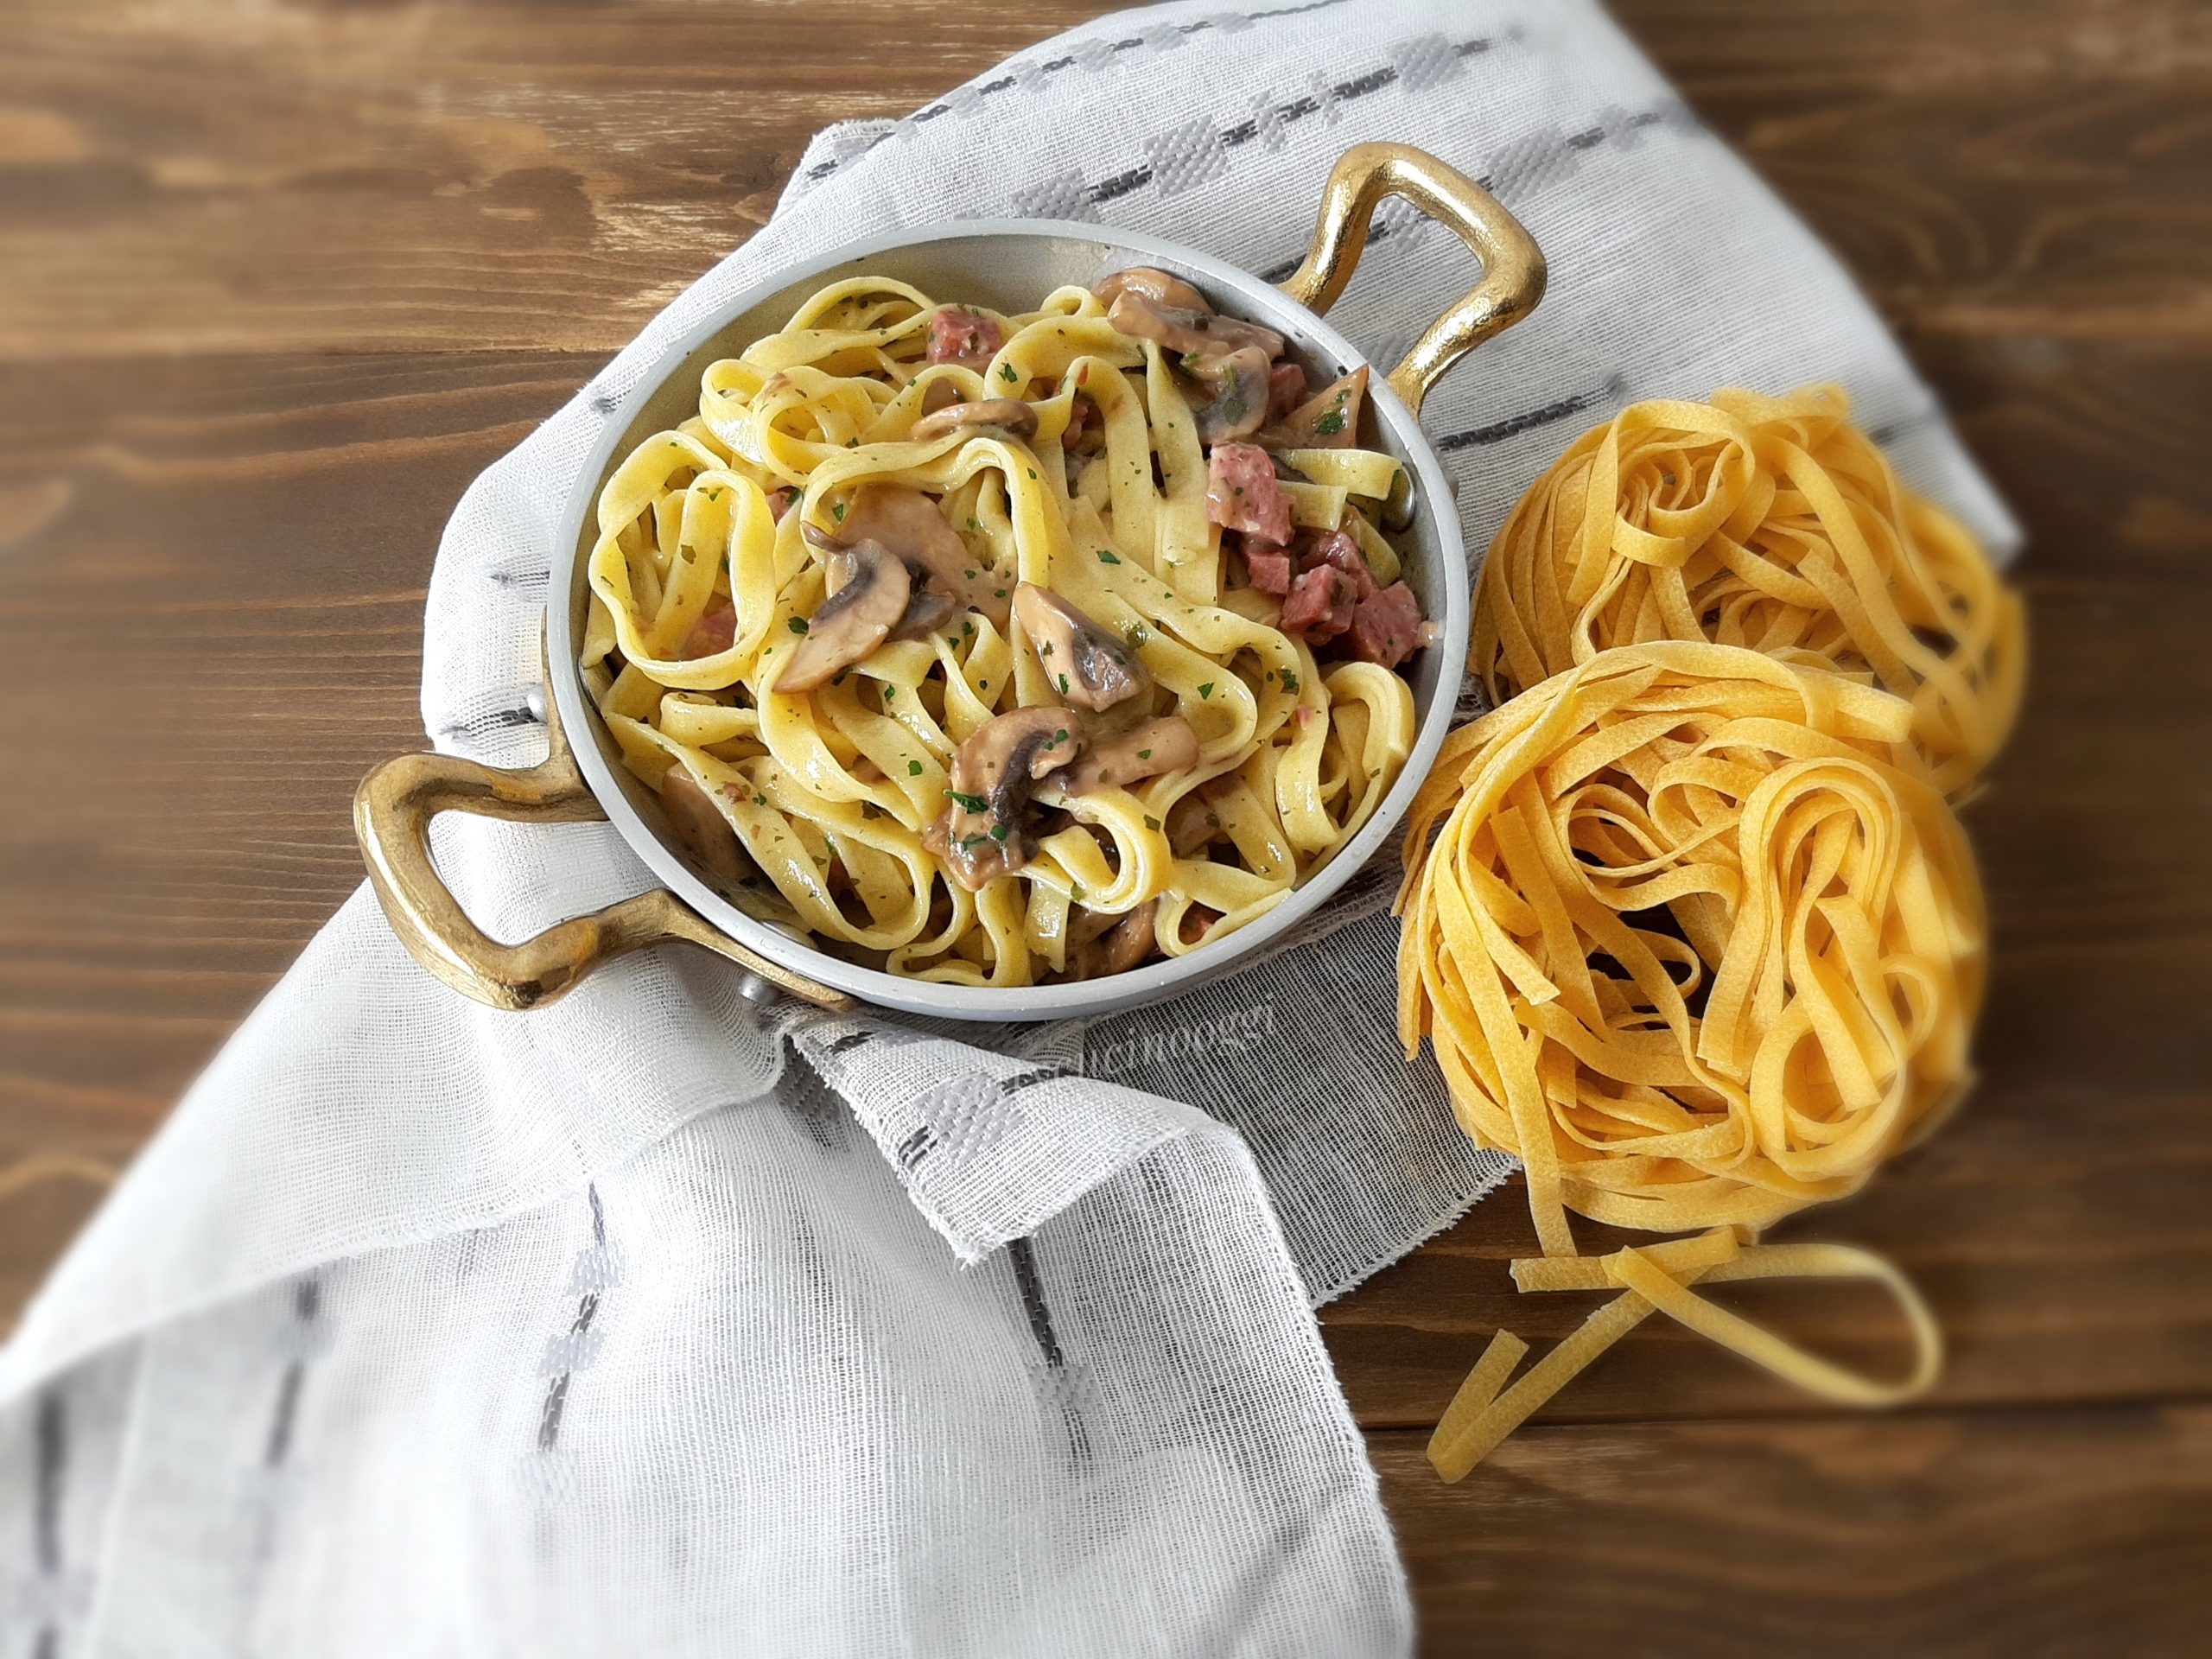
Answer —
(1484, 1411)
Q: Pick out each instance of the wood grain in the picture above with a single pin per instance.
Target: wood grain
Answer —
(275, 282)
(2014, 1536)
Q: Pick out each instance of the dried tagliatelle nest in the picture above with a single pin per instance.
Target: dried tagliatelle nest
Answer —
(1770, 523)
(1691, 943)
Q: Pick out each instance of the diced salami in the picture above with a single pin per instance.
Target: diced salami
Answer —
(963, 337)
(1286, 391)
(1387, 628)
(1333, 547)
(712, 633)
(1320, 605)
(1269, 564)
(1241, 492)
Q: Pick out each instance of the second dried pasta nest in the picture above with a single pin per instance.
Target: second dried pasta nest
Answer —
(1768, 522)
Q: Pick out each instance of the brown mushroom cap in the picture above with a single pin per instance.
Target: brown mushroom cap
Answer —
(1239, 384)
(1188, 331)
(1168, 744)
(1153, 284)
(984, 833)
(1116, 949)
(870, 591)
(910, 524)
(700, 826)
(1008, 415)
(1092, 668)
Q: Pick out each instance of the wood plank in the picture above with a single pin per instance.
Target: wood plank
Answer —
(212, 576)
(470, 176)
(458, 176)
(2014, 1536)
(2042, 168)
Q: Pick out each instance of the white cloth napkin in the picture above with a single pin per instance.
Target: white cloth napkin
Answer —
(655, 1323)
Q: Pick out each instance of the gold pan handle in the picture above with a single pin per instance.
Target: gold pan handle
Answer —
(1513, 268)
(392, 816)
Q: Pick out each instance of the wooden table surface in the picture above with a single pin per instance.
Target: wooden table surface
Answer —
(275, 282)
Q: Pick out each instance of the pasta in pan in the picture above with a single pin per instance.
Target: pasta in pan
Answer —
(1008, 648)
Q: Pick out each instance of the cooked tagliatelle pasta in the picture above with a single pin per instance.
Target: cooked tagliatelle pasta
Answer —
(1771, 522)
(1690, 945)
(1003, 648)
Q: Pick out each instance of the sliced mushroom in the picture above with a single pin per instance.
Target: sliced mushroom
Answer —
(1118, 948)
(985, 833)
(941, 393)
(870, 590)
(908, 523)
(1008, 415)
(1168, 744)
(927, 610)
(699, 824)
(1154, 285)
(1327, 420)
(1239, 384)
(1188, 331)
(1092, 668)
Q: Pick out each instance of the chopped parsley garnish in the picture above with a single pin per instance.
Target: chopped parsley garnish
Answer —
(1151, 823)
(1144, 755)
(1007, 374)
(1063, 685)
(798, 624)
(760, 800)
(837, 511)
(1206, 691)
(1331, 424)
(1289, 681)
(1106, 555)
(969, 803)
(998, 832)
(913, 768)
